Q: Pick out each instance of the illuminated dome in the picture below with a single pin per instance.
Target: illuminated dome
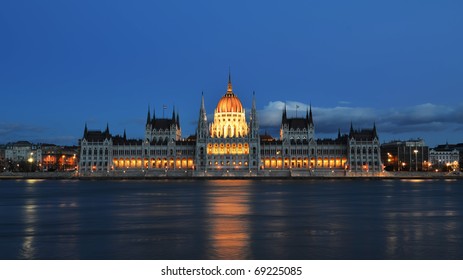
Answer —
(229, 116)
(229, 103)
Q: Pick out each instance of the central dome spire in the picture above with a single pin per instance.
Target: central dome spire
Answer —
(229, 102)
(229, 116)
(229, 88)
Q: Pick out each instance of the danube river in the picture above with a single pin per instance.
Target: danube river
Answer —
(231, 219)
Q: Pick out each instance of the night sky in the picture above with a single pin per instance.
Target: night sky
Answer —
(66, 63)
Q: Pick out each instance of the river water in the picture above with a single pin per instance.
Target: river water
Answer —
(231, 219)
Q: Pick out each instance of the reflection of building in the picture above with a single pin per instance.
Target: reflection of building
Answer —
(411, 155)
(230, 145)
(444, 157)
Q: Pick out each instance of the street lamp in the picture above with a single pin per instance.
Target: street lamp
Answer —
(416, 159)
(30, 160)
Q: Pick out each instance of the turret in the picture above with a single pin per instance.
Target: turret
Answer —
(284, 118)
(148, 118)
(254, 124)
(85, 131)
(202, 121)
(106, 133)
(310, 116)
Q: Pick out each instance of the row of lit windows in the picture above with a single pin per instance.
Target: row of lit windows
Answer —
(229, 120)
(304, 162)
(154, 163)
(228, 157)
(228, 163)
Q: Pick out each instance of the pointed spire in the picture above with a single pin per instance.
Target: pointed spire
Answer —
(173, 114)
(375, 134)
(351, 129)
(202, 110)
(154, 116)
(310, 115)
(107, 135)
(283, 118)
(339, 133)
(253, 100)
(178, 121)
(85, 130)
(148, 118)
(125, 135)
(201, 132)
(202, 101)
(229, 88)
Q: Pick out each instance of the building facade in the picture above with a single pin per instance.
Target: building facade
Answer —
(444, 157)
(411, 155)
(230, 144)
(23, 153)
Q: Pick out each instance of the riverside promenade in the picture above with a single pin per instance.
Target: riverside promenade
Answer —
(262, 174)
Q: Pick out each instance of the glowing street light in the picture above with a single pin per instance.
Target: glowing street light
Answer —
(416, 159)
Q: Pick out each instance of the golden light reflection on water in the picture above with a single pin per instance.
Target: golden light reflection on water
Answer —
(31, 182)
(229, 223)
(413, 180)
(229, 183)
(27, 250)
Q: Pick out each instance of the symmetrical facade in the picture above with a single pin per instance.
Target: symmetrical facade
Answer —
(230, 145)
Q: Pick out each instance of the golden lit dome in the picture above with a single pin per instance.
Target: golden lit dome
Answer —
(229, 102)
(229, 116)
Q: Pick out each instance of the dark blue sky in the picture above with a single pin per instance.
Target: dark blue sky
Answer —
(67, 63)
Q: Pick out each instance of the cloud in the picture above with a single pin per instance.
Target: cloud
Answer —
(12, 131)
(422, 118)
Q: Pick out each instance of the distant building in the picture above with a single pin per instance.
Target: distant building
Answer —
(411, 155)
(59, 158)
(445, 157)
(2, 158)
(229, 145)
(23, 151)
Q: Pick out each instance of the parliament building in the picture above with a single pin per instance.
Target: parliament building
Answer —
(230, 145)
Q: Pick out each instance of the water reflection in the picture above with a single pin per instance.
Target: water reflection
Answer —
(232, 219)
(228, 212)
(28, 250)
(31, 182)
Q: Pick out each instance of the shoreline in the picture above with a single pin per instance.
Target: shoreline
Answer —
(308, 176)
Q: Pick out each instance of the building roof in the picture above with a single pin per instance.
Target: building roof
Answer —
(266, 138)
(298, 123)
(363, 134)
(229, 102)
(163, 123)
